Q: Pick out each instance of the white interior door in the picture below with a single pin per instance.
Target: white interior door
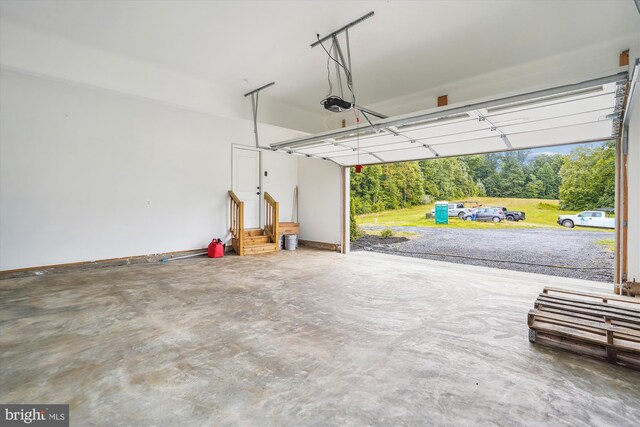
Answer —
(246, 184)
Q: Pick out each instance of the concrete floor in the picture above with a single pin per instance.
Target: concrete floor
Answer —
(299, 338)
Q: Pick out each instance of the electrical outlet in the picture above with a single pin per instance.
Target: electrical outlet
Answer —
(148, 202)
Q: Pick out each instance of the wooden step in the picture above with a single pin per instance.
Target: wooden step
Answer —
(256, 240)
(260, 248)
(253, 232)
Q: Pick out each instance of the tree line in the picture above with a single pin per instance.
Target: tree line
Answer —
(583, 179)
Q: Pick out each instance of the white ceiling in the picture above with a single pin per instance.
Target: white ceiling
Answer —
(405, 48)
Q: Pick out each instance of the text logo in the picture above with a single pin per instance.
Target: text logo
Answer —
(36, 415)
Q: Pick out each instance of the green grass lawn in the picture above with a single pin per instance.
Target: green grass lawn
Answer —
(539, 213)
(608, 243)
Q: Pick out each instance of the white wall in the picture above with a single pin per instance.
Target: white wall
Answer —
(281, 181)
(346, 184)
(320, 198)
(78, 165)
(27, 50)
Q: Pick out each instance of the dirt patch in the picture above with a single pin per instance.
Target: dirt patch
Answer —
(373, 241)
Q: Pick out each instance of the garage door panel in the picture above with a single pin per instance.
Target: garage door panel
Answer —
(606, 90)
(474, 146)
(375, 141)
(417, 153)
(555, 110)
(565, 135)
(576, 119)
(485, 132)
(566, 115)
(393, 147)
(352, 159)
(334, 151)
(461, 126)
(326, 148)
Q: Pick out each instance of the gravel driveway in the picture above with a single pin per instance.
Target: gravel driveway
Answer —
(562, 252)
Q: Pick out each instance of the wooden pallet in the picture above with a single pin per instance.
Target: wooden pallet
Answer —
(597, 325)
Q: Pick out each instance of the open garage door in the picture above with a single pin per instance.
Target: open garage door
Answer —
(588, 111)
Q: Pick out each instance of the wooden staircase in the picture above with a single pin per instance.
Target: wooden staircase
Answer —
(254, 241)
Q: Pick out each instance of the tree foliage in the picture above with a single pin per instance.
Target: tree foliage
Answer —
(583, 180)
(447, 179)
(354, 231)
(588, 178)
(390, 186)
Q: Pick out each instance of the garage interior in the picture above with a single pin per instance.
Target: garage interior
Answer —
(126, 134)
(305, 338)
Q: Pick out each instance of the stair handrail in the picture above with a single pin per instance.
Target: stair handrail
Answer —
(237, 222)
(271, 217)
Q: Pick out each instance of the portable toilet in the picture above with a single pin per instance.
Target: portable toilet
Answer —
(442, 212)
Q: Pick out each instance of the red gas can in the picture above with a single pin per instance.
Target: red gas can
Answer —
(216, 249)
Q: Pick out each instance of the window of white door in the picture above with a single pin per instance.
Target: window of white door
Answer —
(246, 183)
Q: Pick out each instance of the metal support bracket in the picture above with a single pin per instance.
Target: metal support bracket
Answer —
(254, 108)
(345, 28)
(376, 156)
(336, 48)
(477, 114)
(434, 152)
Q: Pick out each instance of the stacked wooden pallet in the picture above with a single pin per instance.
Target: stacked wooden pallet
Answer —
(597, 325)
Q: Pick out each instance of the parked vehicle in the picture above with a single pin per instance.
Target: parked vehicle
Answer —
(455, 209)
(587, 219)
(487, 214)
(513, 215)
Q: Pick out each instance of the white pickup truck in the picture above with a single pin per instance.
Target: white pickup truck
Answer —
(455, 209)
(587, 219)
